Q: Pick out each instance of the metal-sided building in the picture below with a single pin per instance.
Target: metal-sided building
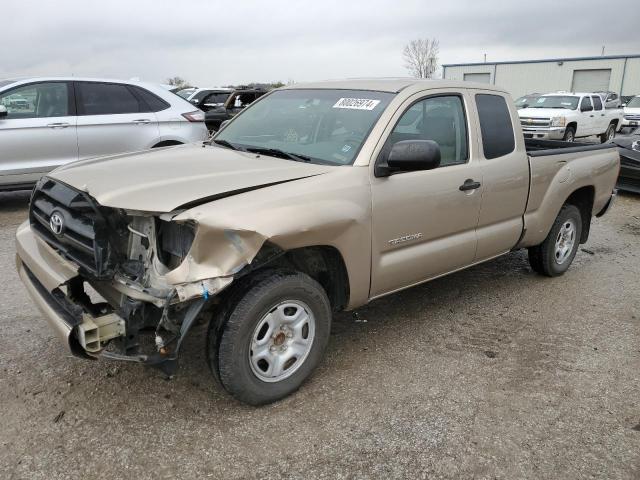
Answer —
(618, 73)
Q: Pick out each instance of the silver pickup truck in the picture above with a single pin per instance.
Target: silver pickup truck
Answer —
(317, 198)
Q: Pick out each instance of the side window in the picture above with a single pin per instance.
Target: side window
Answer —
(496, 126)
(107, 99)
(152, 101)
(38, 100)
(440, 119)
(597, 103)
(585, 103)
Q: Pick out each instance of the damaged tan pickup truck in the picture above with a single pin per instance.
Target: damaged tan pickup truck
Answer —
(315, 199)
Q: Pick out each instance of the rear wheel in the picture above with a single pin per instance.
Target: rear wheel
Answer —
(554, 256)
(569, 134)
(609, 134)
(273, 335)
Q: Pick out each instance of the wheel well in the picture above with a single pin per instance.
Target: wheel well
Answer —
(614, 122)
(574, 125)
(322, 263)
(167, 143)
(583, 200)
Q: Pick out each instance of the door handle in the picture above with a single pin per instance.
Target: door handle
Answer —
(469, 184)
(141, 121)
(58, 125)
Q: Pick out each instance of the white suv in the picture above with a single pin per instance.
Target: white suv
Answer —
(632, 113)
(567, 116)
(47, 122)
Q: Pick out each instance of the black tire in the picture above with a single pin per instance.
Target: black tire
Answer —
(543, 258)
(609, 134)
(231, 332)
(569, 134)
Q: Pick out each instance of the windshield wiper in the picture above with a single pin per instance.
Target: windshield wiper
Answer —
(275, 152)
(224, 143)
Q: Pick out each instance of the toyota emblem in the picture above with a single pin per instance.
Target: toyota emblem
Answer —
(56, 223)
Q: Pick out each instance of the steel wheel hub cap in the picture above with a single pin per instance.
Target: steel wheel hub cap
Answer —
(565, 241)
(282, 341)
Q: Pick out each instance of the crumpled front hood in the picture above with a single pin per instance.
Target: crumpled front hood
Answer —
(165, 179)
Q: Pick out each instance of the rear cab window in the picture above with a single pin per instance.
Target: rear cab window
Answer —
(496, 126)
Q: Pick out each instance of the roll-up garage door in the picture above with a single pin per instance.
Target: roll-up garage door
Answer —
(591, 80)
(477, 77)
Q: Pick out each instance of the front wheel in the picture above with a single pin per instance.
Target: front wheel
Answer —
(609, 134)
(555, 254)
(569, 134)
(272, 336)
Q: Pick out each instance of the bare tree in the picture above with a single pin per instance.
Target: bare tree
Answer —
(421, 57)
(178, 82)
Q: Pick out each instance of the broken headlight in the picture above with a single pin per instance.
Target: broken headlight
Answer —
(174, 242)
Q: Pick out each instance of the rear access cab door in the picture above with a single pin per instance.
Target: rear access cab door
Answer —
(112, 119)
(39, 132)
(505, 172)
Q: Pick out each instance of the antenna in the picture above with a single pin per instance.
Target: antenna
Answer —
(602, 54)
(485, 58)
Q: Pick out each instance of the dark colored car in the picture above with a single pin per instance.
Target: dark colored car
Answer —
(629, 149)
(238, 100)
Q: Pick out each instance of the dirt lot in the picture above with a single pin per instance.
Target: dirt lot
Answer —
(493, 372)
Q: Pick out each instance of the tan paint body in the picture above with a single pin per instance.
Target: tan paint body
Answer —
(344, 207)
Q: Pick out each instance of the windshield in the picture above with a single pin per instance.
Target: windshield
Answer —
(323, 126)
(634, 102)
(525, 101)
(6, 82)
(556, 101)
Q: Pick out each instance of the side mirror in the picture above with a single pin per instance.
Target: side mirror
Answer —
(622, 105)
(411, 155)
(3, 111)
(586, 109)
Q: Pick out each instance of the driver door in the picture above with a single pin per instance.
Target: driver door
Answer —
(424, 224)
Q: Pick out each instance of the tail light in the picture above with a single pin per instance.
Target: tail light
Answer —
(197, 116)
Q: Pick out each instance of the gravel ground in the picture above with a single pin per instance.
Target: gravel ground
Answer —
(493, 372)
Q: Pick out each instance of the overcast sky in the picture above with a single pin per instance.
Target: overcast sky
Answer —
(211, 42)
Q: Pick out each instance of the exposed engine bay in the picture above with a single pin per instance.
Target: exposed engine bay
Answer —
(121, 291)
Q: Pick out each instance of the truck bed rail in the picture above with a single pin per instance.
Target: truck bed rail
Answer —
(541, 148)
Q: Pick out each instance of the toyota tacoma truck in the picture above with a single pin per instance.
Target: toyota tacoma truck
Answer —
(570, 115)
(317, 198)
